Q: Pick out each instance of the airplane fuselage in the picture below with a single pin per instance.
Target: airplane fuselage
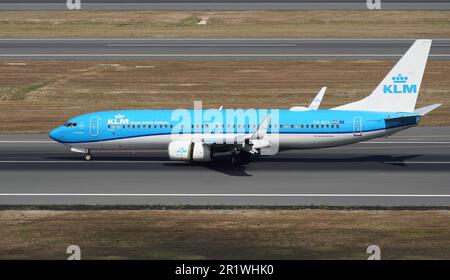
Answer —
(155, 129)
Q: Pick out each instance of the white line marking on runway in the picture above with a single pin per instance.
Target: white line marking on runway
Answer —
(226, 195)
(165, 44)
(210, 55)
(221, 39)
(418, 162)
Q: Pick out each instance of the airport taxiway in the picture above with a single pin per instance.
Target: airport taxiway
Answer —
(214, 48)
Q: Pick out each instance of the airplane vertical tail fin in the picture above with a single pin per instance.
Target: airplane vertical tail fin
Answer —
(399, 89)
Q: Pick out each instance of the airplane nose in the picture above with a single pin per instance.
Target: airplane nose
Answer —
(56, 134)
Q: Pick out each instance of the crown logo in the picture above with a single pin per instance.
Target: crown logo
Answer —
(400, 79)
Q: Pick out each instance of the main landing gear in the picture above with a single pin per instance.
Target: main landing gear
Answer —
(88, 156)
(239, 157)
(234, 159)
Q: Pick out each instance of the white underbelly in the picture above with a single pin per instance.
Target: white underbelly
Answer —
(282, 141)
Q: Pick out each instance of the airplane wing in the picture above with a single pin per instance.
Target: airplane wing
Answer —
(262, 129)
(314, 104)
(249, 143)
(317, 100)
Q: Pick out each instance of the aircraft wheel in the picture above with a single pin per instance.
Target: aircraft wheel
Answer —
(88, 157)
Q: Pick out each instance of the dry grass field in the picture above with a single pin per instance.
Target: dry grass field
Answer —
(36, 96)
(225, 234)
(225, 24)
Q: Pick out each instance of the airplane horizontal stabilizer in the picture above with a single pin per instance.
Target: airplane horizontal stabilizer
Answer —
(425, 110)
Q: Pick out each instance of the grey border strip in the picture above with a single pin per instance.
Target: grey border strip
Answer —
(227, 6)
(79, 207)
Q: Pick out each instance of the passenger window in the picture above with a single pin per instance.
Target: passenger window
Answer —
(301, 126)
(322, 126)
(134, 126)
(337, 126)
(317, 126)
(281, 126)
(292, 126)
(109, 126)
(332, 126)
(328, 125)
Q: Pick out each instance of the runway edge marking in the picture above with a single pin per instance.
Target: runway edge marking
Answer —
(226, 195)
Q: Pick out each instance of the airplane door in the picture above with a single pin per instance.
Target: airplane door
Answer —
(93, 127)
(357, 126)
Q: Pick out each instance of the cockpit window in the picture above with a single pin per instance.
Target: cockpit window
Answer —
(70, 124)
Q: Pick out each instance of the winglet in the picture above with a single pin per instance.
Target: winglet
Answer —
(425, 110)
(262, 129)
(317, 100)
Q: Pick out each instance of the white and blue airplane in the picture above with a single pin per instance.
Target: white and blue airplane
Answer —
(198, 136)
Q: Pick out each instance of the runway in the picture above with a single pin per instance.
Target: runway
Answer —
(407, 169)
(213, 48)
(225, 5)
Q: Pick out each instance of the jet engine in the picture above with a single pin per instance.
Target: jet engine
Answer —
(189, 151)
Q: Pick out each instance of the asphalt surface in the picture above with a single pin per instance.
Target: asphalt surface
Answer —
(409, 169)
(225, 4)
(213, 48)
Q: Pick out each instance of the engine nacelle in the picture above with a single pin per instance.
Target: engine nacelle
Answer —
(189, 151)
